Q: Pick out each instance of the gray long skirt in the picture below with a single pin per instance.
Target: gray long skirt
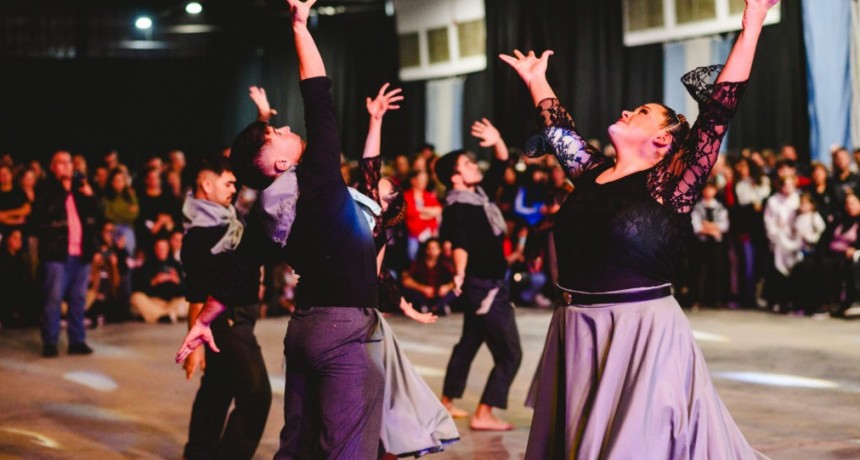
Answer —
(627, 381)
(414, 421)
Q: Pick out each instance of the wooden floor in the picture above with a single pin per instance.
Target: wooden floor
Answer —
(792, 384)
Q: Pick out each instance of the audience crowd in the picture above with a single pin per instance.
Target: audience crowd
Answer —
(769, 232)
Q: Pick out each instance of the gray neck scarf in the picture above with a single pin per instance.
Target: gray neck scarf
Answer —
(369, 208)
(479, 198)
(278, 205)
(204, 213)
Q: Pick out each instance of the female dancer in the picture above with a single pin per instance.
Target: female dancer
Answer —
(621, 376)
(414, 422)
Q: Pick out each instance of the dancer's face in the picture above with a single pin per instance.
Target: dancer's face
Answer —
(282, 149)
(218, 188)
(468, 171)
(644, 126)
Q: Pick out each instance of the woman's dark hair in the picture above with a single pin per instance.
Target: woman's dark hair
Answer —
(112, 194)
(677, 126)
(396, 211)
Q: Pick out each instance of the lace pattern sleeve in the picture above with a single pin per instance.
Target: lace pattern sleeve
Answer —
(678, 180)
(558, 135)
(368, 184)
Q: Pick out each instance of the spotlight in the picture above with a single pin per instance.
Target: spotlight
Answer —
(193, 8)
(143, 23)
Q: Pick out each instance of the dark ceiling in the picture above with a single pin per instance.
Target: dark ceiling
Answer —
(105, 28)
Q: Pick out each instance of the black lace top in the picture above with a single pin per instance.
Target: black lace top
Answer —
(626, 233)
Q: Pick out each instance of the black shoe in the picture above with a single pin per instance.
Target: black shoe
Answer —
(50, 351)
(79, 349)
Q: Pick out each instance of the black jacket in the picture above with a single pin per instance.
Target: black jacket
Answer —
(51, 223)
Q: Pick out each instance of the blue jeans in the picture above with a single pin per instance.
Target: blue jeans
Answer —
(65, 281)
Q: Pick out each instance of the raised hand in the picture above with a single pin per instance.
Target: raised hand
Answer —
(197, 335)
(300, 11)
(756, 10)
(264, 111)
(385, 100)
(486, 132)
(529, 67)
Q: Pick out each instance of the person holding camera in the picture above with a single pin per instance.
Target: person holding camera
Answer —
(64, 221)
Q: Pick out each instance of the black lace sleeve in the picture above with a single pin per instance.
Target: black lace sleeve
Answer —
(368, 183)
(678, 179)
(558, 135)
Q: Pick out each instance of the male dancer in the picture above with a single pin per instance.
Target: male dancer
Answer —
(333, 395)
(238, 373)
(475, 227)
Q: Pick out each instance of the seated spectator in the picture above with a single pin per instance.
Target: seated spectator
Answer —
(121, 207)
(710, 223)
(822, 192)
(110, 286)
(176, 244)
(837, 265)
(17, 283)
(161, 292)
(156, 218)
(429, 282)
(531, 200)
(14, 206)
(423, 211)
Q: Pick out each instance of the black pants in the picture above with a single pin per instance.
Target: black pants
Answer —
(237, 373)
(334, 386)
(498, 328)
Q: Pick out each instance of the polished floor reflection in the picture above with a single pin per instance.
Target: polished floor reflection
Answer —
(792, 384)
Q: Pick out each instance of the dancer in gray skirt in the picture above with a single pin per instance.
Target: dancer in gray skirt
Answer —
(621, 376)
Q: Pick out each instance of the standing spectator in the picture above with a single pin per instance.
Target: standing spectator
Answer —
(155, 219)
(121, 207)
(429, 282)
(710, 223)
(808, 227)
(17, 284)
(14, 207)
(779, 216)
(822, 192)
(27, 185)
(100, 180)
(751, 190)
(176, 244)
(423, 211)
(161, 289)
(111, 285)
(79, 165)
(64, 218)
(530, 203)
(508, 192)
(401, 170)
(844, 180)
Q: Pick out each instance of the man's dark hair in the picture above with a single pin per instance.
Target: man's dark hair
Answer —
(214, 164)
(445, 166)
(245, 156)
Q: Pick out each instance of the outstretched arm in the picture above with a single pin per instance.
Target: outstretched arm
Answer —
(740, 60)
(310, 61)
(377, 107)
(532, 70)
(490, 137)
(264, 111)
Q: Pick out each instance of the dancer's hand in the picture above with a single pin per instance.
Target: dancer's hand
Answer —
(413, 314)
(529, 67)
(197, 359)
(758, 8)
(196, 336)
(300, 11)
(383, 102)
(458, 283)
(486, 132)
(264, 111)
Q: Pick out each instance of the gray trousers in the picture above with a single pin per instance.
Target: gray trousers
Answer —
(334, 385)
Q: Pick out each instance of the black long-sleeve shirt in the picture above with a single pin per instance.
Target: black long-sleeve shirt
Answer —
(467, 227)
(330, 245)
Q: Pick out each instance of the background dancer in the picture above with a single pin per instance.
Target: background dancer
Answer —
(475, 227)
(238, 372)
(621, 375)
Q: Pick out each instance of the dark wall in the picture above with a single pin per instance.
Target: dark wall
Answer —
(148, 106)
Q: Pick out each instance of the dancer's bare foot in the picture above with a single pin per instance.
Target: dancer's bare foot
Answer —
(455, 411)
(484, 420)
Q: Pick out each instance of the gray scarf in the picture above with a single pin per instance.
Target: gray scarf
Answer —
(278, 206)
(369, 208)
(479, 198)
(204, 213)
